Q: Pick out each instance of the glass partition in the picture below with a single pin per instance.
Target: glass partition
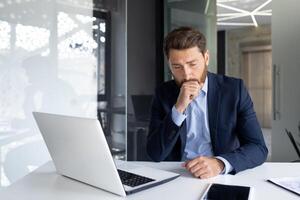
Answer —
(56, 56)
(197, 14)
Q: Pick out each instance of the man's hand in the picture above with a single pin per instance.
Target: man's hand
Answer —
(188, 91)
(204, 167)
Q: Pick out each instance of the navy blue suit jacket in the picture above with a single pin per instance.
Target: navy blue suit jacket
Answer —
(234, 130)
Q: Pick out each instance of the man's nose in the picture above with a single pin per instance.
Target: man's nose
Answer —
(186, 73)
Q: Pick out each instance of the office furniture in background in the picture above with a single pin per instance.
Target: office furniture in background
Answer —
(142, 106)
(138, 127)
(291, 137)
(137, 132)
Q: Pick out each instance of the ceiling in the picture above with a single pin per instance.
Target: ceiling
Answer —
(240, 13)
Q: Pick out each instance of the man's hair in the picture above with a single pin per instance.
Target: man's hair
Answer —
(184, 38)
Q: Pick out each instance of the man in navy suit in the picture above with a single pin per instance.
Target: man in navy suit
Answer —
(204, 119)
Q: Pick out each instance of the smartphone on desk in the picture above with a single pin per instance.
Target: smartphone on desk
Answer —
(227, 192)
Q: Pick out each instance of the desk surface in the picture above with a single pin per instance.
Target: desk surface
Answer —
(45, 184)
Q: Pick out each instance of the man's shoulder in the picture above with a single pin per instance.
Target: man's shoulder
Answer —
(167, 91)
(168, 85)
(224, 80)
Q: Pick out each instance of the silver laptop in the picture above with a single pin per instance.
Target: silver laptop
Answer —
(79, 150)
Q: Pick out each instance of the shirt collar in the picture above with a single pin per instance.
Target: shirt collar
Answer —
(205, 86)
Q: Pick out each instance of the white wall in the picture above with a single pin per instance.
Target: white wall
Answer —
(41, 69)
(286, 48)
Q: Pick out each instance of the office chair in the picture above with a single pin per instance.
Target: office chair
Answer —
(291, 137)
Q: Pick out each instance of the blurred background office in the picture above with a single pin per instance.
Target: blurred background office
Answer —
(103, 59)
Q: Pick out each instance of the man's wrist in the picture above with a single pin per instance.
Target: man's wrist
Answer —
(177, 117)
(221, 165)
(228, 167)
(179, 108)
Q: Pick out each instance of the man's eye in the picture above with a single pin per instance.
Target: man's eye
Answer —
(176, 67)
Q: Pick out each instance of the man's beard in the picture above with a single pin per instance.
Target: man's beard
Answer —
(202, 78)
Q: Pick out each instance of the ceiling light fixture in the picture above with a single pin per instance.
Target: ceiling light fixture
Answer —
(226, 1)
(254, 20)
(207, 6)
(240, 13)
(234, 24)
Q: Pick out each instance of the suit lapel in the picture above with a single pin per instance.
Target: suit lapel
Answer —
(213, 102)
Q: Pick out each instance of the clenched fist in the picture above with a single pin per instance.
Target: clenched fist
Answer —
(188, 91)
(204, 167)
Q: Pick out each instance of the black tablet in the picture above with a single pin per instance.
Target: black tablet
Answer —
(227, 192)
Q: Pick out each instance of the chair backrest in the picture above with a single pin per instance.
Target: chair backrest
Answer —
(141, 106)
(291, 137)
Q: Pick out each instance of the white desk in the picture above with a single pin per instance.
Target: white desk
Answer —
(44, 183)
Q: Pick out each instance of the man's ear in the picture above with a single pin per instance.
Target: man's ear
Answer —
(206, 57)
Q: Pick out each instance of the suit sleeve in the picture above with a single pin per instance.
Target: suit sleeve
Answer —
(252, 151)
(163, 132)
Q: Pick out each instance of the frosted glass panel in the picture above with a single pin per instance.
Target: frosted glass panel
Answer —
(48, 62)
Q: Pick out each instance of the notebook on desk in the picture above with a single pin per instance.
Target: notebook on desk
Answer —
(80, 151)
(291, 184)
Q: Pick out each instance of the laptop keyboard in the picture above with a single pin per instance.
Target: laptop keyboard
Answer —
(133, 180)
